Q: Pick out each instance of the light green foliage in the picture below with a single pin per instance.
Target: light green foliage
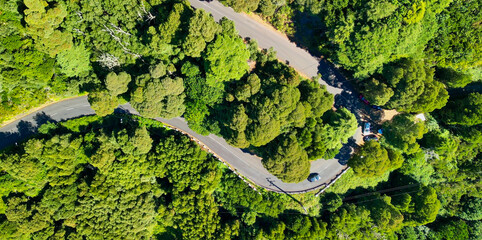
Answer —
(350, 222)
(43, 24)
(225, 59)
(415, 13)
(417, 166)
(202, 29)
(238, 124)
(117, 83)
(340, 126)
(351, 181)
(380, 10)
(385, 215)
(103, 102)
(457, 43)
(248, 89)
(169, 30)
(402, 133)
(466, 111)
(268, 7)
(158, 70)
(159, 97)
(74, 61)
(288, 161)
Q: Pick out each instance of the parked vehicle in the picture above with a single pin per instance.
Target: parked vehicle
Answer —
(376, 107)
(314, 177)
(363, 99)
(370, 138)
(366, 129)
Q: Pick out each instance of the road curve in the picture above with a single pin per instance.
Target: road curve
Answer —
(245, 163)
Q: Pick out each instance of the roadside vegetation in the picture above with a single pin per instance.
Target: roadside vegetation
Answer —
(99, 177)
(414, 57)
(123, 176)
(169, 60)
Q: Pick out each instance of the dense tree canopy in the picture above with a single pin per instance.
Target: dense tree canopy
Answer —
(407, 86)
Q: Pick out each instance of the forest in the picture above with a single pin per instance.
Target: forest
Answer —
(101, 177)
(169, 60)
(413, 57)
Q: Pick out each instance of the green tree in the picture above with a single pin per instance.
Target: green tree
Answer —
(202, 29)
(159, 97)
(75, 61)
(466, 111)
(117, 83)
(242, 5)
(424, 207)
(371, 160)
(471, 209)
(225, 59)
(288, 162)
(103, 102)
(43, 24)
(403, 131)
(413, 86)
(376, 92)
(452, 229)
(452, 78)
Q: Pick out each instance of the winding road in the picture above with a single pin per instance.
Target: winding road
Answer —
(245, 163)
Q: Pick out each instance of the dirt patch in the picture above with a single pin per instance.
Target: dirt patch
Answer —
(389, 114)
(258, 19)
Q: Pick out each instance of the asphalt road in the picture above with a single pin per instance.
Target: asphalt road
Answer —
(245, 163)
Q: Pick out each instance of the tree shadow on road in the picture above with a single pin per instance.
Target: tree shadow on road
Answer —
(24, 129)
(345, 152)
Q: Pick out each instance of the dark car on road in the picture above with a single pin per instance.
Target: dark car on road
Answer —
(314, 177)
(370, 138)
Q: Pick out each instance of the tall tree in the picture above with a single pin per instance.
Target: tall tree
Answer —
(117, 83)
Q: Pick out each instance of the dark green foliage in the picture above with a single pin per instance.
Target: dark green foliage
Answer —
(452, 229)
(407, 86)
(402, 133)
(373, 160)
(452, 78)
(471, 209)
(466, 111)
(457, 42)
(377, 92)
(102, 183)
(288, 161)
